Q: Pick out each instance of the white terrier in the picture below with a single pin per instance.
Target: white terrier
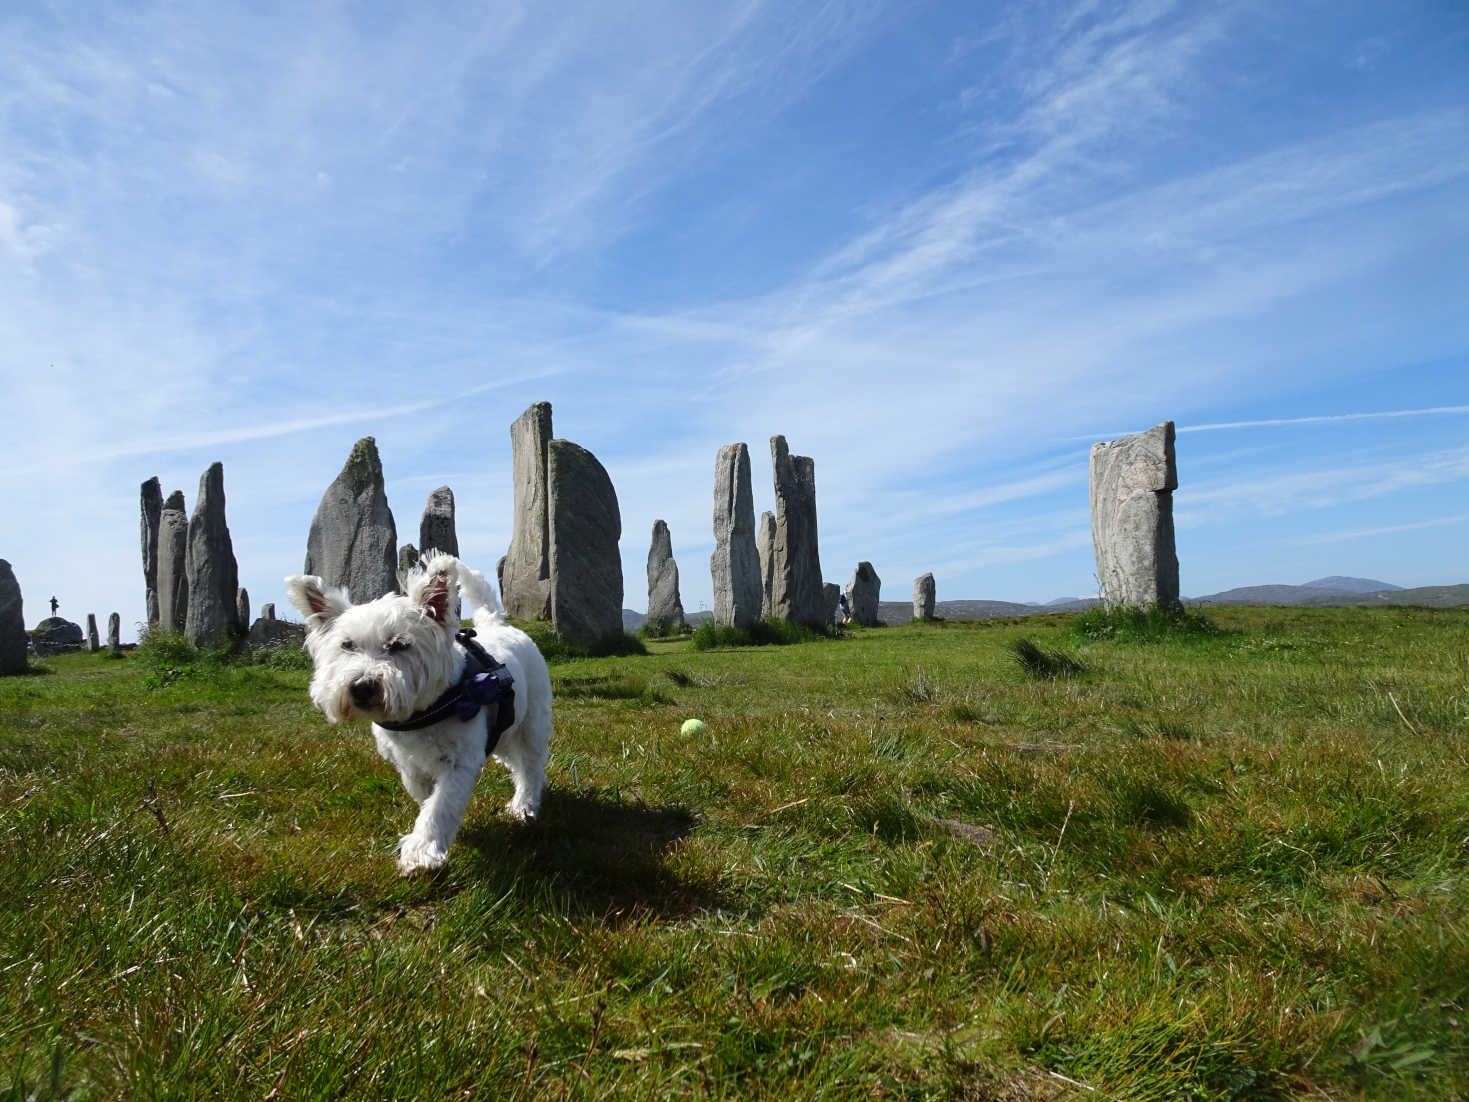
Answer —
(432, 701)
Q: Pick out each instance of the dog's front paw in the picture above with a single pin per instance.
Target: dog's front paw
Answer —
(417, 854)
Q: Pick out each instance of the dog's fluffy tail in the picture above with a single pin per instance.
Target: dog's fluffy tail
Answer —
(481, 595)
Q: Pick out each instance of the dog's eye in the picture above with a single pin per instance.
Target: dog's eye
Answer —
(347, 644)
(397, 646)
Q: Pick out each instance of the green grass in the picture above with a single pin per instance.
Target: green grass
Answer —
(763, 633)
(1225, 864)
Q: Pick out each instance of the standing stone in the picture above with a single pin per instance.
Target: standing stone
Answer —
(407, 560)
(586, 566)
(242, 606)
(114, 632)
(831, 595)
(796, 584)
(1132, 484)
(150, 506)
(93, 643)
(173, 577)
(923, 597)
(353, 541)
(525, 578)
(664, 606)
(862, 591)
(735, 564)
(436, 529)
(267, 610)
(12, 623)
(214, 579)
(765, 544)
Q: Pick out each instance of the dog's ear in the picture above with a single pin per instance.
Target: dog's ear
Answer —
(435, 589)
(318, 602)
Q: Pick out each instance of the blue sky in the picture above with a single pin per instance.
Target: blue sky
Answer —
(942, 247)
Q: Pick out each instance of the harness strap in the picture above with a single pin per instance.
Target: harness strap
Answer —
(485, 683)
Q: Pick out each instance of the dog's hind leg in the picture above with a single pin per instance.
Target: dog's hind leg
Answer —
(526, 760)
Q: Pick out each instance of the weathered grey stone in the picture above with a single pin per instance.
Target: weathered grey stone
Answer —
(664, 606)
(267, 610)
(525, 578)
(94, 644)
(242, 606)
(407, 559)
(436, 529)
(114, 631)
(796, 583)
(923, 597)
(150, 506)
(270, 632)
(1132, 484)
(173, 575)
(735, 564)
(586, 567)
(831, 596)
(214, 578)
(13, 639)
(353, 541)
(765, 544)
(55, 635)
(863, 591)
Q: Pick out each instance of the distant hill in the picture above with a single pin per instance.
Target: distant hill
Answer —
(1336, 590)
(1338, 584)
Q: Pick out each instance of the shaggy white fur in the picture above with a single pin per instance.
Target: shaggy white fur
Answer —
(388, 658)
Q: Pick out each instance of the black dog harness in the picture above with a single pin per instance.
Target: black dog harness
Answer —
(485, 684)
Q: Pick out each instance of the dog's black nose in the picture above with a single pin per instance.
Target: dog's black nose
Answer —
(366, 692)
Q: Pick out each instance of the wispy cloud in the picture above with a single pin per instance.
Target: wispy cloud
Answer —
(1362, 533)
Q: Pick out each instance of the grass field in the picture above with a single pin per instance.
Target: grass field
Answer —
(900, 864)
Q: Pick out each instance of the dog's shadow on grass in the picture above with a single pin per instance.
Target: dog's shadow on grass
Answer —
(593, 854)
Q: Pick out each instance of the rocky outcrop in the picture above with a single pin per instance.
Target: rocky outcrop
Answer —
(665, 609)
(353, 541)
(436, 530)
(173, 575)
(150, 502)
(55, 635)
(525, 573)
(923, 597)
(796, 583)
(209, 563)
(735, 564)
(13, 639)
(765, 545)
(863, 590)
(1132, 484)
(585, 564)
(94, 644)
(270, 632)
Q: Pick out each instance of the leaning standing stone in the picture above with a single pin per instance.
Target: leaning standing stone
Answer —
(436, 529)
(796, 585)
(114, 631)
(12, 623)
(1132, 484)
(353, 541)
(586, 566)
(93, 643)
(664, 606)
(863, 592)
(735, 564)
(923, 597)
(150, 506)
(525, 572)
(214, 578)
(173, 576)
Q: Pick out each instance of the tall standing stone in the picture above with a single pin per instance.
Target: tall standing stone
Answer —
(94, 644)
(586, 566)
(735, 564)
(150, 506)
(114, 631)
(765, 544)
(863, 591)
(353, 541)
(525, 576)
(242, 606)
(173, 575)
(1132, 484)
(209, 562)
(407, 559)
(12, 623)
(831, 597)
(923, 597)
(436, 529)
(664, 606)
(796, 583)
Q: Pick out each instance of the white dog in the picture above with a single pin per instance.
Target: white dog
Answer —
(433, 705)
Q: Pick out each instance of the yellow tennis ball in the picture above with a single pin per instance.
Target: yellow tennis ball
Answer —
(693, 727)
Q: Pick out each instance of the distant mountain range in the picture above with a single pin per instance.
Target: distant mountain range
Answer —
(1335, 590)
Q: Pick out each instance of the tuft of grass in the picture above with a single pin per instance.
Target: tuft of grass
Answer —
(1043, 664)
(710, 635)
(662, 629)
(556, 649)
(1144, 625)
